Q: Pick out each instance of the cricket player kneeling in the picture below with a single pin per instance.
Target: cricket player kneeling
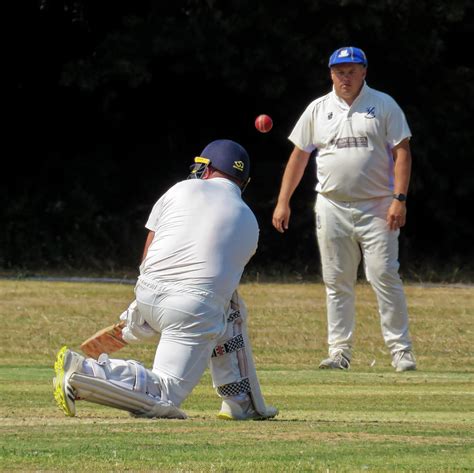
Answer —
(201, 236)
(233, 371)
(122, 384)
(127, 385)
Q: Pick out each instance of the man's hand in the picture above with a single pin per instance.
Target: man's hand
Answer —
(397, 214)
(281, 217)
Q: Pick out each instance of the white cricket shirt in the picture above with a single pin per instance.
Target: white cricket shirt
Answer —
(354, 160)
(204, 236)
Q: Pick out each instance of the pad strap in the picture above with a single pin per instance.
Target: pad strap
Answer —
(98, 366)
(234, 344)
(140, 377)
(233, 389)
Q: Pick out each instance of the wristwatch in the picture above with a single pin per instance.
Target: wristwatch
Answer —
(400, 197)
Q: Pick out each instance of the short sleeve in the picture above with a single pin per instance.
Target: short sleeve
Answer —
(302, 135)
(397, 125)
(154, 217)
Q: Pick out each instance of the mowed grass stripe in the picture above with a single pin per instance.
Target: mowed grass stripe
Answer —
(367, 419)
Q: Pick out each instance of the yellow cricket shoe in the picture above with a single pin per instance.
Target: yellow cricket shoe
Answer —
(67, 362)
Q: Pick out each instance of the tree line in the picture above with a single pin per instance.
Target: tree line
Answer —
(110, 101)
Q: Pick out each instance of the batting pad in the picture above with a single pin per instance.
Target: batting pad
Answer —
(106, 393)
(232, 366)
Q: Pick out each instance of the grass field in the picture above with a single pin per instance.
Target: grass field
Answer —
(367, 419)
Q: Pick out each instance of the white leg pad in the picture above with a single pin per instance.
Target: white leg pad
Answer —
(232, 366)
(108, 393)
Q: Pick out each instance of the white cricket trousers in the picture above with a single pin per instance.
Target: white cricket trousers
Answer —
(346, 231)
(190, 324)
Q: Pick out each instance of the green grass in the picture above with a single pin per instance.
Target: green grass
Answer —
(367, 419)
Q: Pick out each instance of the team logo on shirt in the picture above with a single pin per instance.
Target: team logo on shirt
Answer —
(329, 115)
(239, 165)
(352, 142)
(370, 113)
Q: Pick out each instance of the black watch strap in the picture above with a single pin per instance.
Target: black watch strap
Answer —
(400, 197)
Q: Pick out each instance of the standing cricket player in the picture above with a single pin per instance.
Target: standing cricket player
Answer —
(201, 236)
(363, 165)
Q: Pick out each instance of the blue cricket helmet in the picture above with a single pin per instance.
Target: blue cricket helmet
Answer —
(226, 156)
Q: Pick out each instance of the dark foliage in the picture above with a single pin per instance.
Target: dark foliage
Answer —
(109, 102)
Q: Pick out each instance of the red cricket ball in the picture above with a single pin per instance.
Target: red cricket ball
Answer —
(263, 123)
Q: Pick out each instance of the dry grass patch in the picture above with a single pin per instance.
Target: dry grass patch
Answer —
(367, 419)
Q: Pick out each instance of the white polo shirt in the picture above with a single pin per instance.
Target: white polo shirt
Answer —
(205, 234)
(354, 160)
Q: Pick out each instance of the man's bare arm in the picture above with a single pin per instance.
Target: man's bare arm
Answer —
(148, 241)
(291, 178)
(396, 216)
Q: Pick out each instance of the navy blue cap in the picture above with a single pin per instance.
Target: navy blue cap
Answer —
(229, 157)
(346, 55)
